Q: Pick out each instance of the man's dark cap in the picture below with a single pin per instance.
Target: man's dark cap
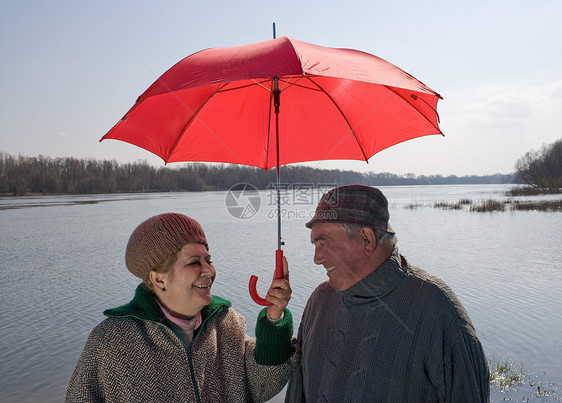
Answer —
(353, 204)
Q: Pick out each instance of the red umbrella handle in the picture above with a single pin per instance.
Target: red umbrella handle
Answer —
(278, 275)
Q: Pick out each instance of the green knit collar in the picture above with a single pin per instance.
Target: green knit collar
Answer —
(378, 283)
(143, 306)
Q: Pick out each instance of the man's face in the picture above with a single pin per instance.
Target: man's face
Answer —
(342, 257)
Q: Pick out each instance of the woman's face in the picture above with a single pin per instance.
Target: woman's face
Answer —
(188, 283)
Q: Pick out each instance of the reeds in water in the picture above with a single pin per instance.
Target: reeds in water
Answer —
(490, 205)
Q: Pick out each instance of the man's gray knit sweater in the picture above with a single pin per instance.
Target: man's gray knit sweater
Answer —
(399, 335)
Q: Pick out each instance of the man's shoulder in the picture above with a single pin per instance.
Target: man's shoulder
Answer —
(321, 294)
(435, 290)
(438, 295)
(323, 288)
(422, 276)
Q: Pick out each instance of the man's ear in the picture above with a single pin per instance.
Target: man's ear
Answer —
(369, 240)
(158, 280)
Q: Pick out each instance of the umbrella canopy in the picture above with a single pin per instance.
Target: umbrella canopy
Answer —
(217, 106)
(278, 102)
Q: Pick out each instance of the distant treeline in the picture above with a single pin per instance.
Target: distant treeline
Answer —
(44, 175)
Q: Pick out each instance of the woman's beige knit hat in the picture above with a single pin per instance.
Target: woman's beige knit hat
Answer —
(159, 237)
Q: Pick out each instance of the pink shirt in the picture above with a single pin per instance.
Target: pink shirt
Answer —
(183, 327)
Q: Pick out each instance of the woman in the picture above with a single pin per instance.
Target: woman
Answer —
(175, 341)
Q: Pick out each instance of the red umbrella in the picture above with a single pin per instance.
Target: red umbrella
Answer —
(278, 102)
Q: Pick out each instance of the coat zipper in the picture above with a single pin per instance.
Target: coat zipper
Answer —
(188, 348)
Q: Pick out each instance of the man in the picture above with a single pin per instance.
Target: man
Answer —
(380, 329)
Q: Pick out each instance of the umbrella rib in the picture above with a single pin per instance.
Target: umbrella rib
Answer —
(423, 100)
(295, 83)
(195, 115)
(269, 127)
(242, 86)
(344, 117)
(286, 81)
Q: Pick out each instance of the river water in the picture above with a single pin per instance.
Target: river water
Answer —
(62, 264)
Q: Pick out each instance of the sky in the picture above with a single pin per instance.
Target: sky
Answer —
(69, 70)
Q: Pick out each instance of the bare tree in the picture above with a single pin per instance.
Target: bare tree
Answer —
(541, 169)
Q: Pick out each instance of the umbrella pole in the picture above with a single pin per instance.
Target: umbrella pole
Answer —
(276, 103)
(279, 252)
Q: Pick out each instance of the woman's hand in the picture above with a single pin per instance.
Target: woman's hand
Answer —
(279, 294)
